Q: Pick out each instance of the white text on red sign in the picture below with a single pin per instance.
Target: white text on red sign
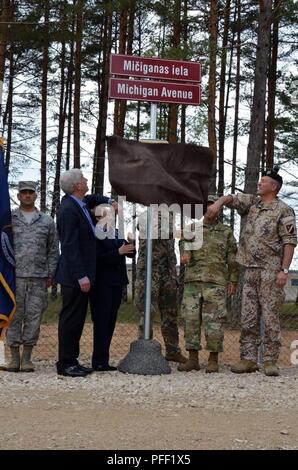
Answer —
(161, 92)
(151, 67)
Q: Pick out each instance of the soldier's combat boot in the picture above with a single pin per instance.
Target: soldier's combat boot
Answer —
(176, 357)
(26, 363)
(14, 364)
(192, 363)
(244, 367)
(271, 369)
(212, 363)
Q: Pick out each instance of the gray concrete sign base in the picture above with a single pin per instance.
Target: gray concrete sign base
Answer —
(144, 358)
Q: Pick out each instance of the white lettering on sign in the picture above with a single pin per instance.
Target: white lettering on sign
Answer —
(147, 90)
(179, 94)
(139, 66)
(125, 89)
(158, 69)
(179, 71)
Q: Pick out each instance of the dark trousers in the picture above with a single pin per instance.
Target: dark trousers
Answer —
(105, 302)
(71, 323)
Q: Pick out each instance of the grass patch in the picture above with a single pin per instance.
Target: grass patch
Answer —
(51, 314)
(289, 316)
(289, 308)
(126, 313)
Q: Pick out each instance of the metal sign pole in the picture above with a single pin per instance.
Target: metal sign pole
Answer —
(2, 347)
(153, 117)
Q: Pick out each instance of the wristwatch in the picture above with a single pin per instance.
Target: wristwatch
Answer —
(285, 270)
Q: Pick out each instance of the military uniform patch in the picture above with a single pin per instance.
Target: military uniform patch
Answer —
(291, 229)
(289, 225)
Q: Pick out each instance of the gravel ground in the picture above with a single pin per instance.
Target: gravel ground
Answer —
(112, 410)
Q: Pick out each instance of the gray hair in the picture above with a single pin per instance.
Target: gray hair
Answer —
(277, 184)
(69, 179)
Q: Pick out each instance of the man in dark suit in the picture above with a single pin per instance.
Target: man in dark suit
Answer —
(76, 269)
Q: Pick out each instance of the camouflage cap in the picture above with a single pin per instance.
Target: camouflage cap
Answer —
(212, 198)
(31, 185)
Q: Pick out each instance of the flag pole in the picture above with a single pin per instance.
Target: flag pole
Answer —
(2, 351)
(2, 347)
(153, 118)
(2, 331)
(2, 334)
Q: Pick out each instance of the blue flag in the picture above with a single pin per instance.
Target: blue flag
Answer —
(7, 263)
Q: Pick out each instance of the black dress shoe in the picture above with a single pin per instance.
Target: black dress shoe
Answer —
(87, 370)
(101, 368)
(72, 371)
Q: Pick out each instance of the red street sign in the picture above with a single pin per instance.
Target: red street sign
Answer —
(161, 92)
(150, 67)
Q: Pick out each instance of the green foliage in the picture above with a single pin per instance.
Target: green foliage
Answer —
(126, 313)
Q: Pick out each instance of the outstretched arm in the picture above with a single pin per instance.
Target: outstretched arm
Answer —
(214, 209)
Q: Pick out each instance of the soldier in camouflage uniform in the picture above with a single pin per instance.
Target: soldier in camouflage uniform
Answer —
(266, 248)
(164, 292)
(36, 256)
(211, 274)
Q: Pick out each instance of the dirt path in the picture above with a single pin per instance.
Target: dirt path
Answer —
(103, 427)
(179, 411)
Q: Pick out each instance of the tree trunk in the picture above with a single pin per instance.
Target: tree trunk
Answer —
(236, 113)
(232, 49)
(185, 38)
(127, 19)
(9, 107)
(257, 123)
(120, 105)
(61, 126)
(235, 303)
(173, 108)
(7, 116)
(44, 97)
(129, 45)
(212, 91)
(99, 150)
(77, 80)
(131, 25)
(222, 114)
(272, 87)
(69, 93)
(4, 18)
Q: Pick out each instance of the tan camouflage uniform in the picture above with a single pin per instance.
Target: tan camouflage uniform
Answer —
(164, 293)
(268, 227)
(209, 271)
(36, 256)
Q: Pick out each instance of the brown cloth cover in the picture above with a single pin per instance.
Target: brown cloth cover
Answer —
(156, 173)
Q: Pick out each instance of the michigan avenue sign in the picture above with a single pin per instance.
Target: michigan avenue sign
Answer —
(161, 92)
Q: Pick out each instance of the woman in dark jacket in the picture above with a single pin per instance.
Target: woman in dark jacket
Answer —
(105, 299)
